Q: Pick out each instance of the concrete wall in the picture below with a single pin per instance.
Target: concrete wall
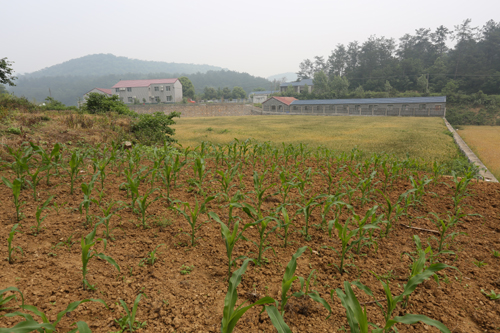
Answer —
(279, 107)
(197, 110)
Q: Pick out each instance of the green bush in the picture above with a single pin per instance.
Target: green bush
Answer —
(53, 104)
(14, 130)
(154, 128)
(99, 103)
(12, 102)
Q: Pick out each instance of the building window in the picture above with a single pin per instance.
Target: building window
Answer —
(389, 107)
(404, 107)
(169, 98)
(422, 106)
(372, 107)
(130, 99)
(295, 107)
(437, 107)
(306, 108)
(331, 107)
(357, 107)
(157, 99)
(167, 88)
(117, 90)
(129, 89)
(157, 88)
(273, 107)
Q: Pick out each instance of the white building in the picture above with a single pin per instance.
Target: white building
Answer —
(261, 96)
(149, 91)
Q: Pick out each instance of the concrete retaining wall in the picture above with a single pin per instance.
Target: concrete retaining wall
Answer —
(483, 170)
(197, 110)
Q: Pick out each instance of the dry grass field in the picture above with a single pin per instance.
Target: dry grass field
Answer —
(420, 137)
(485, 143)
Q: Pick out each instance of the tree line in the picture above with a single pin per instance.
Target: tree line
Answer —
(421, 62)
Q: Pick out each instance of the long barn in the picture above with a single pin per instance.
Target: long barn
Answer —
(401, 106)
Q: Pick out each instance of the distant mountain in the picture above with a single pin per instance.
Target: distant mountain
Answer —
(105, 64)
(290, 76)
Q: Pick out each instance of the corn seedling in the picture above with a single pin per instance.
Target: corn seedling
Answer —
(15, 186)
(264, 233)
(444, 225)
(49, 160)
(492, 295)
(231, 315)
(133, 186)
(345, 235)
(284, 224)
(128, 321)
(496, 253)
(419, 186)
(150, 257)
(10, 248)
(366, 187)
(389, 219)
(74, 164)
(230, 239)
(365, 225)
(38, 214)
(5, 300)
(108, 212)
(87, 199)
(479, 263)
(226, 178)
(34, 179)
(29, 324)
(143, 204)
(286, 184)
(307, 210)
(21, 162)
(192, 216)
(259, 190)
(88, 253)
(186, 269)
(357, 318)
(199, 168)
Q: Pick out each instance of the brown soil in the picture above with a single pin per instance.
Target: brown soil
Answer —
(50, 276)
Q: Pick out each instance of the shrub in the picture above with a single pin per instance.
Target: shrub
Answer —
(12, 102)
(53, 104)
(98, 103)
(14, 130)
(154, 128)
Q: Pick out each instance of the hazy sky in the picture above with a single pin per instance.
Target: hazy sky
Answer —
(258, 37)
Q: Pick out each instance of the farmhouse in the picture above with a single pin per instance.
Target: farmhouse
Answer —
(298, 86)
(402, 106)
(261, 96)
(278, 104)
(149, 91)
(102, 91)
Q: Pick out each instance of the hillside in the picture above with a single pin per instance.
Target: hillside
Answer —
(105, 64)
(290, 76)
(68, 89)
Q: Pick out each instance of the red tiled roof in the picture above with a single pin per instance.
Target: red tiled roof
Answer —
(286, 100)
(106, 91)
(142, 83)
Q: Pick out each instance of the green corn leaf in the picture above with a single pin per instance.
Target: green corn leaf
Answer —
(3, 291)
(316, 297)
(72, 306)
(277, 320)
(108, 259)
(412, 319)
(134, 309)
(27, 327)
(419, 278)
(35, 310)
(81, 327)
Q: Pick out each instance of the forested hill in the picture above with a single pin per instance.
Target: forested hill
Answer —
(105, 64)
(68, 89)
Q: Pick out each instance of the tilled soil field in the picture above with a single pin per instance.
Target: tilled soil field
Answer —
(185, 288)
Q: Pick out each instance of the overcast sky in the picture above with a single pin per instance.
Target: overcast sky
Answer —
(260, 37)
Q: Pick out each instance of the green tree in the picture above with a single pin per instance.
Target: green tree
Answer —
(422, 84)
(3, 90)
(99, 103)
(340, 86)
(238, 93)
(187, 87)
(226, 93)
(450, 88)
(6, 72)
(209, 93)
(320, 83)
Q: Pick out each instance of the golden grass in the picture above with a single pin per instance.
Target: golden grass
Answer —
(485, 143)
(420, 137)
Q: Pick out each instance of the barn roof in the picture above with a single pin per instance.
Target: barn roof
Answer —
(142, 83)
(285, 100)
(397, 100)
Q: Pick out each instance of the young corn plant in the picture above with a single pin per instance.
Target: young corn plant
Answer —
(307, 210)
(264, 233)
(108, 212)
(88, 253)
(10, 248)
(5, 300)
(21, 164)
(192, 215)
(38, 218)
(419, 186)
(87, 199)
(128, 321)
(259, 190)
(287, 283)
(284, 223)
(49, 160)
(357, 317)
(226, 178)
(30, 324)
(132, 185)
(143, 205)
(231, 315)
(150, 257)
(389, 219)
(15, 186)
(366, 188)
(366, 226)
(344, 234)
(34, 180)
(444, 226)
(74, 164)
(199, 168)
(230, 239)
(286, 184)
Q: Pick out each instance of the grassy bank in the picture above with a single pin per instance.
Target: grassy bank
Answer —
(485, 143)
(420, 137)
